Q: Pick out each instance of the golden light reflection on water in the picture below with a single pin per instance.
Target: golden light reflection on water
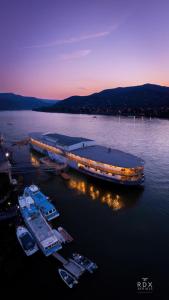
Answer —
(114, 201)
(34, 160)
(94, 192)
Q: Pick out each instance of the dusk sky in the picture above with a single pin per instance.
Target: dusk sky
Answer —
(56, 49)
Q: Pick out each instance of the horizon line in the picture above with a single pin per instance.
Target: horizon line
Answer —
(75, 95)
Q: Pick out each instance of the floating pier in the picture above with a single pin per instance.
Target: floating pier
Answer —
(53, 165)
(70, 265)
(65, 235)
(60, 258)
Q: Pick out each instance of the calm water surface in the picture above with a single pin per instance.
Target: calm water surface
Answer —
(126, 231)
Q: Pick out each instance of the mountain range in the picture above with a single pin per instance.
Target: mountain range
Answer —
(142, 100)
(10, 101)
(147, 99)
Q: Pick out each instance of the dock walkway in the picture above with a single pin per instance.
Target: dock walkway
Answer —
(60, 258)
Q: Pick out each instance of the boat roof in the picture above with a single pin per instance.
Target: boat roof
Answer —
(59, 139)
(65, 140)
(40, 199)
(43, 202)
(109, 156)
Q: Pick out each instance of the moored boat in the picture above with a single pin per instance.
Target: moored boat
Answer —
(38, 226)
(87, 157)
(26, 240)
(67, 278)
(42, 202)
(85, 262)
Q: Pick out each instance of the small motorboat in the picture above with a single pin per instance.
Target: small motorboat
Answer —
(67, 278)
(85, 262)
(26, 240)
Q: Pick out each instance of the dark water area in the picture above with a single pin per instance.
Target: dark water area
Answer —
(124, 230)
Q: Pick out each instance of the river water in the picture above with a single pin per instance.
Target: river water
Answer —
(124, 230)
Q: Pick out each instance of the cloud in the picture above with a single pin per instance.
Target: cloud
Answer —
(72, 40)
(75, 54)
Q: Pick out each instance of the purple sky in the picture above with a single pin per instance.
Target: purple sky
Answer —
(55, 49)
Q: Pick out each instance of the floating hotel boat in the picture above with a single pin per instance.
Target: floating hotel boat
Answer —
(85, 262)
(38, 226)
(85, 156)
(47, 208)
(26, 240)
(67, 278)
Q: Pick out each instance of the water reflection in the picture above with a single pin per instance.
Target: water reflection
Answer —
(114, 197)
(114, 201)
(34, 159)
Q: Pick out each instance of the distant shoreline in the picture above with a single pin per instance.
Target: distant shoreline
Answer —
(92, 114)
(137, 116)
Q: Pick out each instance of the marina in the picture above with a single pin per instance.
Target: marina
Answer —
(42, 235)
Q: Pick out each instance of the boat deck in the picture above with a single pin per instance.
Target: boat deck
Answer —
(60, 258)
(42, 230)
(37, 224)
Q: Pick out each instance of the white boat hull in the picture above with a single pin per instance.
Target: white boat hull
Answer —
(21, 231)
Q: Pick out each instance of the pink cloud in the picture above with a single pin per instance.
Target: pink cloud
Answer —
(75, 39)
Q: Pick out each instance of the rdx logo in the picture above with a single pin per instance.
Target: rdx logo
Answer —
(144, 285)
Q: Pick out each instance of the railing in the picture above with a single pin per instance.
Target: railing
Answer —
(114, 170)
(104, 167)
(111, 175)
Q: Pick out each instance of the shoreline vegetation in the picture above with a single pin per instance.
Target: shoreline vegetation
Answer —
(131, 113)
